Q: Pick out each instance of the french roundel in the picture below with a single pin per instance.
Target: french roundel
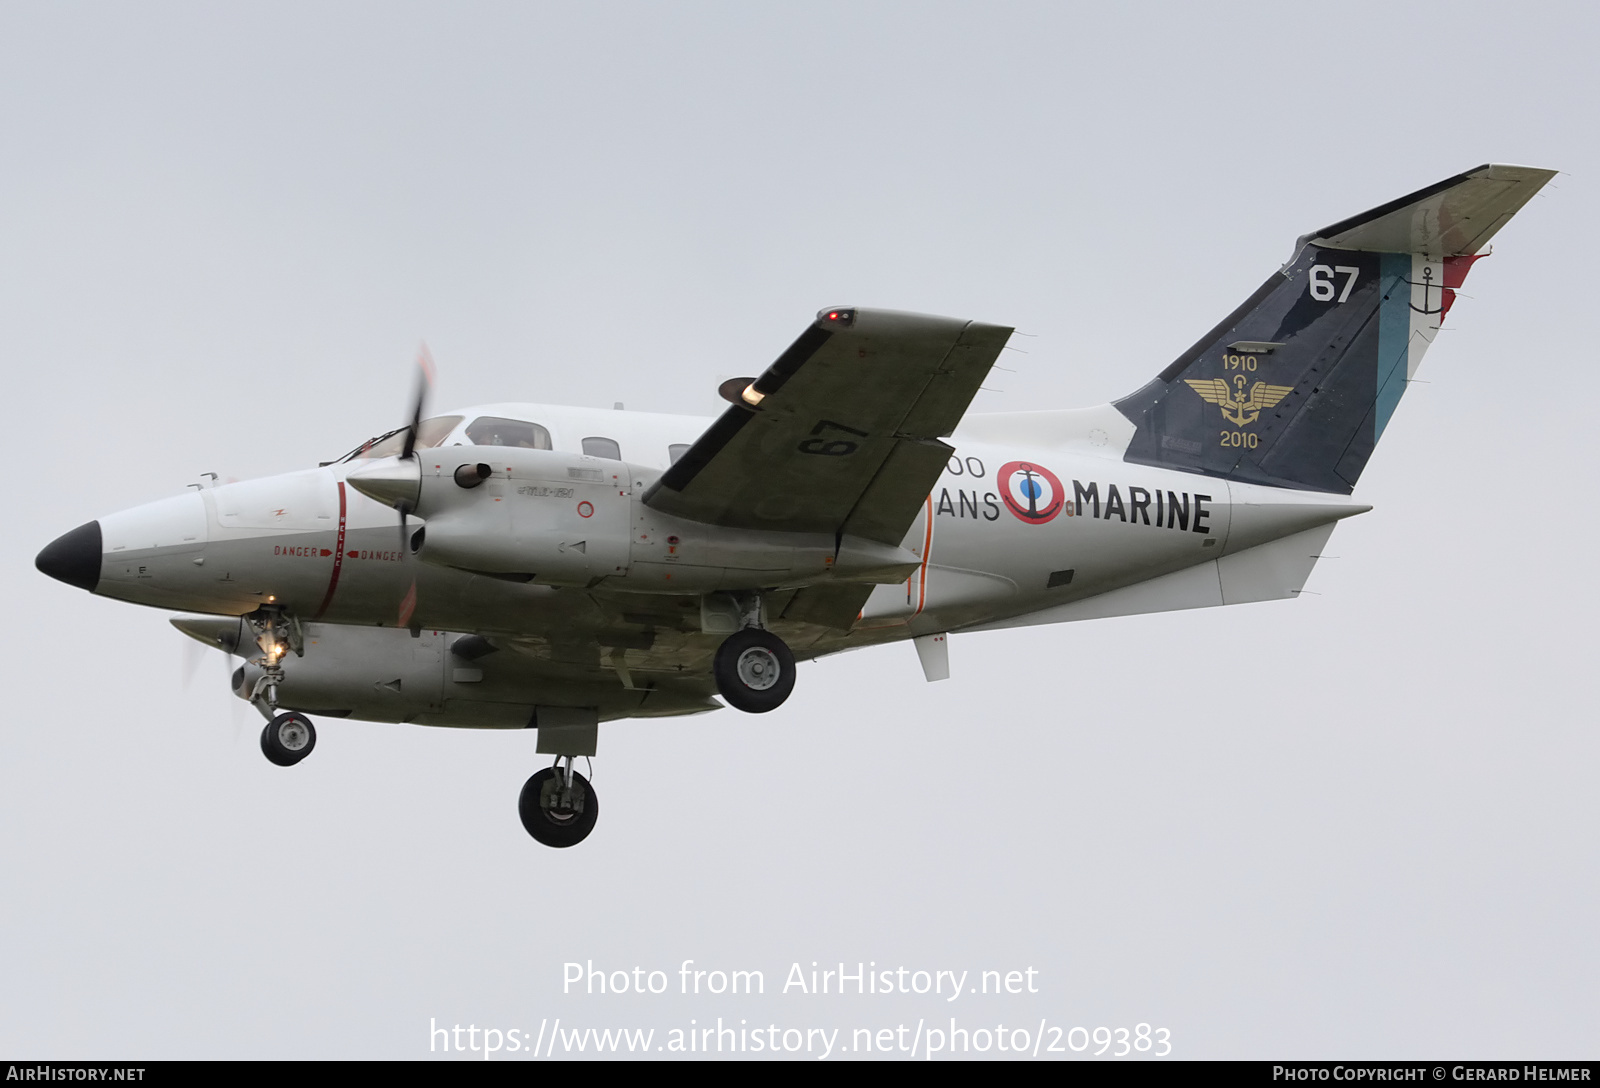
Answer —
(1030, 491)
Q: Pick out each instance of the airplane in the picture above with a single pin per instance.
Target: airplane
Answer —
(512, 566)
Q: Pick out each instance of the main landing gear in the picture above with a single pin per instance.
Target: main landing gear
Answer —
(558, 806)
(754, 670)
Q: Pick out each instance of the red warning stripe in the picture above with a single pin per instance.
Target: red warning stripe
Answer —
(338, 558)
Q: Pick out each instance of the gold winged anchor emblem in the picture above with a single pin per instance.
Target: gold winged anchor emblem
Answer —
(1238, 407)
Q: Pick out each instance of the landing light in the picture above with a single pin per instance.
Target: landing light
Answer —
(732, 390)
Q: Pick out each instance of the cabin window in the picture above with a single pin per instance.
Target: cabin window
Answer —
(494, 431)
(602, 447)
(677, 450)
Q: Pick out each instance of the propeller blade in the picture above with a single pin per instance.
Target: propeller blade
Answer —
(235, 704)
(424, 384)
(193, 654)
(418, 406)
(203, 633)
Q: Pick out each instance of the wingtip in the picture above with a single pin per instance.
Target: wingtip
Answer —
(1505, 171)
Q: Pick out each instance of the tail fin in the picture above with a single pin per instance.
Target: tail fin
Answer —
(1294, 388)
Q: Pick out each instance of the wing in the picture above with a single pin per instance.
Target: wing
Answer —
(1212, 390)
(1263, 396)
(841, 434)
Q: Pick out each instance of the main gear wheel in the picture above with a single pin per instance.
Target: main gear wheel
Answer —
(754, 670)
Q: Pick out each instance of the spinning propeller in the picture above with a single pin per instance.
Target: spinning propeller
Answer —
(218, 634)
(397, 481)
(408, 452)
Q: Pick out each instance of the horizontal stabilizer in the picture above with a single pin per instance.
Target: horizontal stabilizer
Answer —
(1454, 218)
(1267, 572)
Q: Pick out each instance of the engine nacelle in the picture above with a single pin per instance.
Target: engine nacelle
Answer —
(568, 519)
(441, 678)
(541, 515)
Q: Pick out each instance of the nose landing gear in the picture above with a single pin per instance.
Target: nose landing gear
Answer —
(288, 738)
(277, 633)
(558, 806)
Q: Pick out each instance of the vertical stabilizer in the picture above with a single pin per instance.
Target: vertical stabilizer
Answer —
(1296, 386)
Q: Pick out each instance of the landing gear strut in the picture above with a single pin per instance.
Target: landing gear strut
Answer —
(288, 738)
(558, 806)
(754, 670)
(277, 633)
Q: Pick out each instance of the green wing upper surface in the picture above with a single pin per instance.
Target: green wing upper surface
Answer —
(842, 433)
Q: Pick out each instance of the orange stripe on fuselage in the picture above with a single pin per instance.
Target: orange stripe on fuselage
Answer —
(927, 550)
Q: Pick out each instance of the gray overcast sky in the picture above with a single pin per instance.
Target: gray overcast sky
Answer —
(1357, 824)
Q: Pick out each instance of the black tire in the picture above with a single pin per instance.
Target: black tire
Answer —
(754, 671)
(288, 739)
(557, 828)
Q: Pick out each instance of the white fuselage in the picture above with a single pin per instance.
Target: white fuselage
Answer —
(1035, 517)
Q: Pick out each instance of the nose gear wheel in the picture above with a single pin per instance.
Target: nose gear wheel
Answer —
(288, 738)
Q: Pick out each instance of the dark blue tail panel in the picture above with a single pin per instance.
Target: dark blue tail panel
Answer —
(1294, 388)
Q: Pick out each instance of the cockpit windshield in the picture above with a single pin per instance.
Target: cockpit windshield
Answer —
(430, 433)
(494, 431)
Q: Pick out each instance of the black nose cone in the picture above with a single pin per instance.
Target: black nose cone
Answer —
(74, 558)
